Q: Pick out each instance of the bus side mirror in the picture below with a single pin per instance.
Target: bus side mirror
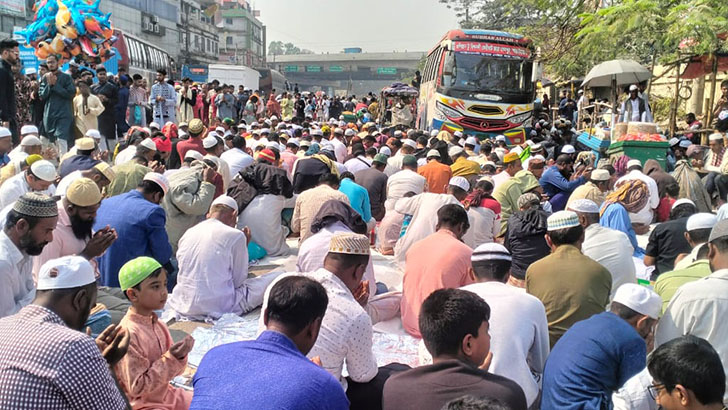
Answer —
(537, 72)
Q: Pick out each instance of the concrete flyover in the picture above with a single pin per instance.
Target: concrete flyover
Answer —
(346, 73)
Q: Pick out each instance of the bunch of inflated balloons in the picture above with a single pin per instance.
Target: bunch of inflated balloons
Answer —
(70, 28)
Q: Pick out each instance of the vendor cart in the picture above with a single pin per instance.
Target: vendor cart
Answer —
(392, 95)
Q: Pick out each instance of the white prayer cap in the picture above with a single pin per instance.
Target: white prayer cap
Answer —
(149, 144)
(674, 141)
(272, 144)
(95, 134)
(489, 252)
(410, 143)
(530, 143)
(225, 200)
(255, 124)
(44, 170)
(702, 220)
(454, 150)
(349, 132)
(634, 163)
(640, 299)
(434, 133)
(433, 153)
(539, 157)
(294, 141)
(491, 163)
(460, 182)
(241, 126)
(221, 130)
(30, 141)
(716, 137)
(500, 138)
(193, 154)
(682, 201)
(274, 118)
(398, 134)
(586, 206)
(471, 141)
(458, 134)
(536, 147)
(30, 70)
(28, 129)
(317, 132)
(154, 125)
(685, 143)
(600, 175)
(386, 151)
(183, 124)
(265, 131)
(209, 142)
(158, 179)
(4, 132)
(633, 87)
(568, 149)
(337, 130)
(518, 150)
(65, 272)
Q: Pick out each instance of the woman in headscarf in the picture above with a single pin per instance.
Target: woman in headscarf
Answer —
(273, 107)
(483, 213)
(691, 186)
(249, 112)
(631, 196)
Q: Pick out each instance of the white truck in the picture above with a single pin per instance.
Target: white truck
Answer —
(234, 75)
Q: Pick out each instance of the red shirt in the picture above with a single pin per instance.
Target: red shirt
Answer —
(192, 143)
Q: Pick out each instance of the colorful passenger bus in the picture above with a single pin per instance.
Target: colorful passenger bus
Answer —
(480, 82)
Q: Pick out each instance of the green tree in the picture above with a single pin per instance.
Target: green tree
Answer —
(276, 48)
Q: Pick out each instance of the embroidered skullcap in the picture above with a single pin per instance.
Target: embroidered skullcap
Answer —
(350, 244)
(36, 205)
(562, 220)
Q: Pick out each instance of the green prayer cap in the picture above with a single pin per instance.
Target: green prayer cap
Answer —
(136, 270)
(409, 160)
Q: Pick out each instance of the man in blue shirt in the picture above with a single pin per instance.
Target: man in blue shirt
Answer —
(6, 144)
(273, 370)
(596, 356)
(357, 194)
(558, 184)
(139, 222)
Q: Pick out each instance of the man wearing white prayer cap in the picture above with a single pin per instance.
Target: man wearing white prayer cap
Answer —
(699, 308)
(598, 355)
(697, 231)
(595, 189)
(209, 286)
(689, 267)
(39, 177)
(51, 328)
(519, 347)
(611, 248)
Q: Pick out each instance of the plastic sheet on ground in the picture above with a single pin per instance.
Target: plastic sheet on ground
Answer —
(230, 328)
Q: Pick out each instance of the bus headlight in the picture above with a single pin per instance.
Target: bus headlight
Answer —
(520, 118)
(447, 111)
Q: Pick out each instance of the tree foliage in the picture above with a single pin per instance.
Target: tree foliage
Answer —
(278, 48)
(574, 35)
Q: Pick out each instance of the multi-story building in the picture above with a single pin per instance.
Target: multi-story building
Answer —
(198, 34)
(242, 35)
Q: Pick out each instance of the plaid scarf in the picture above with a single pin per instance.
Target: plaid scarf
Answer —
(632, 194)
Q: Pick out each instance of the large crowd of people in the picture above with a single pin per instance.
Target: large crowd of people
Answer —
(533, 275)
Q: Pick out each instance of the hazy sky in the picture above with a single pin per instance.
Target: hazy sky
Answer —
(373, 25)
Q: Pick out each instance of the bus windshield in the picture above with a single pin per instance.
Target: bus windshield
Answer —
(487, 74)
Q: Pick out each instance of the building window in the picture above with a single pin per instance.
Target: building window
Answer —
(229, 21)
(229, 41)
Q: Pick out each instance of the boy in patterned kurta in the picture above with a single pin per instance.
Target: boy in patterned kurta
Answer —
(152, 360)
